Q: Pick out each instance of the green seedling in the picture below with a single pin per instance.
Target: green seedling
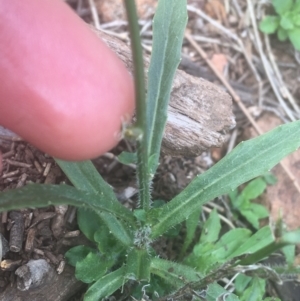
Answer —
(241, 202)
(123, 253)
(286, 23)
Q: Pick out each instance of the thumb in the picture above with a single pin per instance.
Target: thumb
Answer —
(61, 88)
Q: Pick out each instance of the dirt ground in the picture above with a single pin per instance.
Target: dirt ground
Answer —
(261, 74)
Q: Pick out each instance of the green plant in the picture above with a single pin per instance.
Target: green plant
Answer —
(286, 23)
(123, 238)
(241, 202)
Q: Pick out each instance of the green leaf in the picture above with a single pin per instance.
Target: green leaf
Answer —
(138, 265)
(168, 29)
(260, 251)
(230, 242)
(77, 253)
(217, 292)
(286, 22)
(127, 158)
(270, 178)
(247, 161)
(106, 286)
(254, 189)
(92, 267)
(294, 36)
(89, 222)
(120, 230)
(289, 253)
(191, 226)
(255, 291)
(203, 258)
(106, 242)
(253, 213)
(211, 228)
(174, 273)
(296, 7)
(84, 176)
(38, 195)
(269, 24)
(281, 7)
(260, 239)
(282, 34)
(241, 282)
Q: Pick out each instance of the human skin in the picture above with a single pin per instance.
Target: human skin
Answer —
(61, 88)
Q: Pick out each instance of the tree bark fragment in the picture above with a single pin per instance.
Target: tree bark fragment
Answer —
(199, 115)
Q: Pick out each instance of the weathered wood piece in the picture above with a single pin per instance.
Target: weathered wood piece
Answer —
(200, 113)
(54, 288)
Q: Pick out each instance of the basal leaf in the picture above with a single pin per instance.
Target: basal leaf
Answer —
(174, 273)
(117, 228)
(106, 285)
(77, 253)
(138, 265)
(84, 176)
(37, 195)
(269, 24)
(92, 267)
(89, 222)
(168, 29)
(247, 161)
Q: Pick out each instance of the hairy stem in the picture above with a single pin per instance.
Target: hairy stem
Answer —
(140, 96)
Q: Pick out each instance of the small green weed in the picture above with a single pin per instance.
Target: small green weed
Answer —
(123, 253)
(241, 202)
(286, 23)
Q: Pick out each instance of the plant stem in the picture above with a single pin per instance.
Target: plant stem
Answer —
(140, 100)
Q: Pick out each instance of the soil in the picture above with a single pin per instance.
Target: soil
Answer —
(47, 233)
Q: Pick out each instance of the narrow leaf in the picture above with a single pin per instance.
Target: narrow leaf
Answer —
(254, 189)
(247, 161)
(89, 222)
(168, 29)
(138, 265)
(84, 176)
(92, 267)
(105, 286)
(37, 195)
(211, 228)
(174, 273)
(77, 253)
(255, 291)
(191, 226)
(257, 241)
(117, 228)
